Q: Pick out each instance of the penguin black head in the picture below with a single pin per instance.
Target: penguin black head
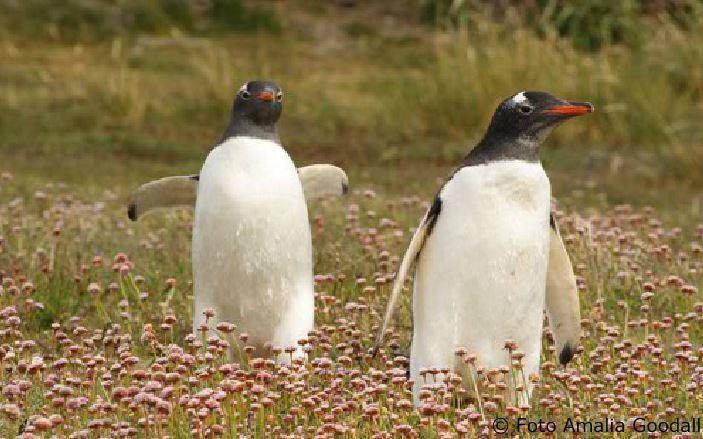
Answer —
(521, 123)
(256, 109)
(259, 101)
(532, 115)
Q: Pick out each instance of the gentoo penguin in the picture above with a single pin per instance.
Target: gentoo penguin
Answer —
(252, 250)
(482, 249)
(318, 181)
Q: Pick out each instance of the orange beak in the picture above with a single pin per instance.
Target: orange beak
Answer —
(571, 109)
(265, 96)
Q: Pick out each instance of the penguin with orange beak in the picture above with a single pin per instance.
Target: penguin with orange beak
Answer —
(481, 253)
(252, 248)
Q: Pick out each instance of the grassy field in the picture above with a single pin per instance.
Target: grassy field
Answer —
(95, 311)
(96, 314)
(356, 94)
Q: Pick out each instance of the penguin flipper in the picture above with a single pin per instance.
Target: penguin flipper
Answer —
(318, 181)
(411, 255)
(323, 180)
(562, 299)
(165, 192)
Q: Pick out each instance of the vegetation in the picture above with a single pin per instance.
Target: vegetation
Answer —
(95, 20)
(589, 25)
(396, 98)
(95, 330)
(95, 312)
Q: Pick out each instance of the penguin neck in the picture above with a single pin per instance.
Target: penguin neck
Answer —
(243, 127)
(495, 148)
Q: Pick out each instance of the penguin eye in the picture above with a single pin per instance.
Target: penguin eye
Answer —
(245, 94)
(279, 96)
(525, 109)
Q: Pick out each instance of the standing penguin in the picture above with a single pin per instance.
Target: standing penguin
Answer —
(482, 249)
(252, 250)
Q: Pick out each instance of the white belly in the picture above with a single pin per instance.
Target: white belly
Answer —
(252, 251)
(480, 278)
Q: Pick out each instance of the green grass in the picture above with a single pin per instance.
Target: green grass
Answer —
(375, 99)
(51, 235)
(588, 25)
(99, 20)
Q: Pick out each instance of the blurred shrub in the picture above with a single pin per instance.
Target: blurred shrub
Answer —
(589, 24)
(425, 100)
(91, 20)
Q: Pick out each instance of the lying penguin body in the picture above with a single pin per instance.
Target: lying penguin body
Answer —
(482, 250)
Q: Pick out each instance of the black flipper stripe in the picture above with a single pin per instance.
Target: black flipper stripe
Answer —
(132, 211)
(433, 214)
(566, 354)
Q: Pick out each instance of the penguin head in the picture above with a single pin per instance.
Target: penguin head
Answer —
(259, 102)
(531, 116)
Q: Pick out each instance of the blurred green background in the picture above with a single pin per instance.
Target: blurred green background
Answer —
(115, 92)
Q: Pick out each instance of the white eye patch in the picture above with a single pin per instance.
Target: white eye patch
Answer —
(243, 87)
(519, 98)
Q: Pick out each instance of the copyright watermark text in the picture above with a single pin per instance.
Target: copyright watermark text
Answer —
(604, 425)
